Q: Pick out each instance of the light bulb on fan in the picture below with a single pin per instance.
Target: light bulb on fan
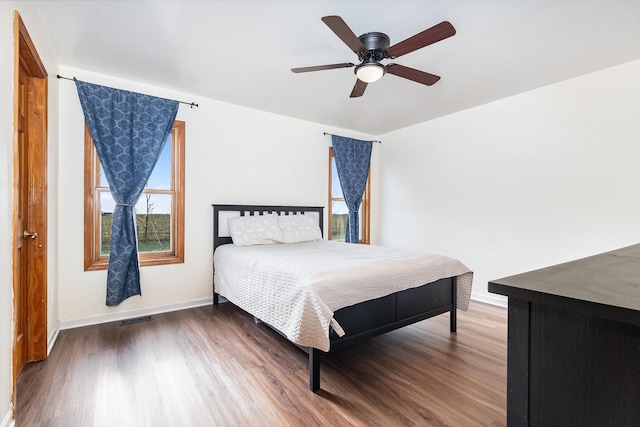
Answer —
(370, 72)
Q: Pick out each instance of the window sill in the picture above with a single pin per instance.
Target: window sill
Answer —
(146, 260)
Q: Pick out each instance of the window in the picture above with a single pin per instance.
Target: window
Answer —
(159, 211)
(338, 211)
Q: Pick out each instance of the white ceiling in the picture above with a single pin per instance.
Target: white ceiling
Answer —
(241, 52)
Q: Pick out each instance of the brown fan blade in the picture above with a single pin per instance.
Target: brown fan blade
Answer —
(358, 89)
(322, 67)
(412, 74)
(429, 36)
(344, 33)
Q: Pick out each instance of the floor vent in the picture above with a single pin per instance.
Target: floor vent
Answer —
(135, 320)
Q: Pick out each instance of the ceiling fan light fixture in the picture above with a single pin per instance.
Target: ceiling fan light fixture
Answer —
(370, 72)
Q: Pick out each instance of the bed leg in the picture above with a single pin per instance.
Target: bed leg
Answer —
(453, 321)
(314, 369)
(453, 326)
(215, 298)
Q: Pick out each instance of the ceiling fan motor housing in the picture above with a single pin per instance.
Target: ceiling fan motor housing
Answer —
(376, 44)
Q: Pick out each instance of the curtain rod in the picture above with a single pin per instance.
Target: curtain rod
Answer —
(327, 133)
(191, 104)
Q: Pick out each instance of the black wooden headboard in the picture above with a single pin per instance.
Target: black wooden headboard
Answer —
(259, 210)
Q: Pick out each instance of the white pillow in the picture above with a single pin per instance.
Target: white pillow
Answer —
(300, 228)
(255, 230)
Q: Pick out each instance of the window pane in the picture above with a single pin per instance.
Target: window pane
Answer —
(339, 218)
(336, 189)
(339, 215)
(106, 218)
(103, 177)
(153, 219)
(160, 178)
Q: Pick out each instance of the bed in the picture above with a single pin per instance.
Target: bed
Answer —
(334, 294)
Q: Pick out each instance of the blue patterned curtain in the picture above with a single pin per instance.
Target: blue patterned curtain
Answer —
(128, 130)
(352, 164)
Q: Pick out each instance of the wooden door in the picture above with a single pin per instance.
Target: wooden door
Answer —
(29, 203)
(20, 350)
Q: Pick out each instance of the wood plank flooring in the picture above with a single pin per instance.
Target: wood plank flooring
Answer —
(213, 366)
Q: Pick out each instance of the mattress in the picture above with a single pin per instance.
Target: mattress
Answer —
(297, 287)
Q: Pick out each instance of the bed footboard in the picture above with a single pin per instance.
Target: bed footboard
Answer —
(375, 317)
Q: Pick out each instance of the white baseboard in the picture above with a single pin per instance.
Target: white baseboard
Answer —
(8, 420)
(130, 314)
(490, 299)
(52, 338)
(122, 315)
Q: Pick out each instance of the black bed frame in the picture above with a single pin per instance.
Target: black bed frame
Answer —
(369, 318)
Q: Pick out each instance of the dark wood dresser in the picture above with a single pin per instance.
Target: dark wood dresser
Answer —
(574, 342)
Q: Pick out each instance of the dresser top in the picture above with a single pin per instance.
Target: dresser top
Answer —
(611, 278)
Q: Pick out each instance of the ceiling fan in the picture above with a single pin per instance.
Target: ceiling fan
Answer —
(372, 48)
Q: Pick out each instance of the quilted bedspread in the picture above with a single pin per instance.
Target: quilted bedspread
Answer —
(296, 287)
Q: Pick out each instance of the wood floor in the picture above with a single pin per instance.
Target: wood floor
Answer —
(213, 366)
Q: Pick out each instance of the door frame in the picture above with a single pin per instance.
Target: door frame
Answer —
(25, 53)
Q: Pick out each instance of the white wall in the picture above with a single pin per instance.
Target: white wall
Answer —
(233, 155)
(31, 19)
(521, 183)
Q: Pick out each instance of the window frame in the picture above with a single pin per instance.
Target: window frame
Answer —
(365, 207)
(93, 260)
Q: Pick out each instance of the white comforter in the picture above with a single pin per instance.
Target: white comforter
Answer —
(296, 287)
